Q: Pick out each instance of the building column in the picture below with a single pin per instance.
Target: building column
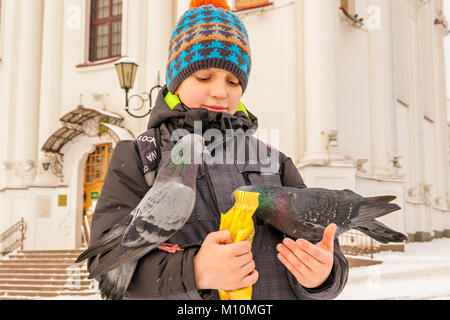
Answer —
(49, 107)
(442, 199)
(160, 27)
(381, 93)
(322, 165)
(320, 24)
(8, 80)
(28, 89)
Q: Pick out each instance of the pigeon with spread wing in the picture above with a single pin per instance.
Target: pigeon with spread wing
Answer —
(305, 213)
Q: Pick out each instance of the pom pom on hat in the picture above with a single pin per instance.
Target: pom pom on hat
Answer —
(216, 3)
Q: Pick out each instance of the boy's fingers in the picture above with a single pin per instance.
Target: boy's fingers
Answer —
(247, 269)
(240, 248)
(245, 258)
(222, 237)
(328, 237)
(250, 279)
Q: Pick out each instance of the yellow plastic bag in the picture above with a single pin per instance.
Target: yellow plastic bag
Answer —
(240, 224)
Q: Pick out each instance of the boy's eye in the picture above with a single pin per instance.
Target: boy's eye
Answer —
(204, 79)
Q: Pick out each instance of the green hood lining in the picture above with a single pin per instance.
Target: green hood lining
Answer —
(172, 100)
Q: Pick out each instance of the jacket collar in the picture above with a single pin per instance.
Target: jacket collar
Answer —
(169, 108)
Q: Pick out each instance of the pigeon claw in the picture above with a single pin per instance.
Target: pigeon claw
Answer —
(170, 248)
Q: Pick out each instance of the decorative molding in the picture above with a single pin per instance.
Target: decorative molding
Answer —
(98, 62)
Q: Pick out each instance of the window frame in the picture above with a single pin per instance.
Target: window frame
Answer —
(109, 21)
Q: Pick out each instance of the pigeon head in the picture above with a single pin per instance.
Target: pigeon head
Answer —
(265, 196)
(187, 151)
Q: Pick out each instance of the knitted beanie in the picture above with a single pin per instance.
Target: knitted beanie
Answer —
(208, 35)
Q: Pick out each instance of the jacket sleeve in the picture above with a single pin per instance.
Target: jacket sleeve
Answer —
(122, 190)
(158, 274)
(333, 286)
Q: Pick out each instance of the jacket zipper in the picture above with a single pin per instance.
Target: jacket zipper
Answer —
(212, 191)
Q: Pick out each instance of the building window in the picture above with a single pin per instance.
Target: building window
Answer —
(106, 29)
(250, 4)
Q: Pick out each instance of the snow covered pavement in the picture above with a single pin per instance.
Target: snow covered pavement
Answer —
(421, 272)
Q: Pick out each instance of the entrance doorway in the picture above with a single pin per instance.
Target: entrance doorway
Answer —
(94, 175)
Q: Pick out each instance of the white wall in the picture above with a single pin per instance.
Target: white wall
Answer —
(447, 47)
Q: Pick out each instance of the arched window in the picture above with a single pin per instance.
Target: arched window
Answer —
(105, 29)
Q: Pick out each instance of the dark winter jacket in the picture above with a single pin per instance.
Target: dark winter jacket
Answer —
(160, 275)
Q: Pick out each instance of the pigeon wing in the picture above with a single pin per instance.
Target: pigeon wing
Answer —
(164, 213)
(315, 206)
(155, 221)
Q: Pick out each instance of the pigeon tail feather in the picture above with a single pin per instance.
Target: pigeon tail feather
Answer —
(114, 284)
(105, 243)
(115, 259)
(372, 210)
(385, 199)
(381, 232)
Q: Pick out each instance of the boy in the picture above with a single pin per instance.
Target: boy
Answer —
(207, 73)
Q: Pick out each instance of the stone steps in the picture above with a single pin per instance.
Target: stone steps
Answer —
(43, 256)
(41, 274)
(43, 282)
(32, 295)
(34, 276)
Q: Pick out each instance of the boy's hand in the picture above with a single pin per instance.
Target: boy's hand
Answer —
(310, 264)
(222, 264)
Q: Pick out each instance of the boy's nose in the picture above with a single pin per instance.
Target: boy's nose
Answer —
(219, 90)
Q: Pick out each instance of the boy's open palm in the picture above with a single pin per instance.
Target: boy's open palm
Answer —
(222, 264)
(310, 264)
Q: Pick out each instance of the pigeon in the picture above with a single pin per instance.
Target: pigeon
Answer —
(163, 211)
(305, 213)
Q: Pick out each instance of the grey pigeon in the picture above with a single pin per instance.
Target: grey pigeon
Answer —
(305, 213)
(163, 211)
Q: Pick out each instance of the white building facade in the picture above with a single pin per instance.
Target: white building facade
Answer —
(357, 104)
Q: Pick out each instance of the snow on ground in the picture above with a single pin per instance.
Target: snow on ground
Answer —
(421, 272)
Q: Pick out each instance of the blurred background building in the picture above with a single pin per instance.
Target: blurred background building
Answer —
(356, 88)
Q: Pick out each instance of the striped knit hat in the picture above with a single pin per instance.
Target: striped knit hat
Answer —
(208, 35)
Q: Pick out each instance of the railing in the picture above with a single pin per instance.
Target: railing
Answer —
(355, 243)
(13, 238)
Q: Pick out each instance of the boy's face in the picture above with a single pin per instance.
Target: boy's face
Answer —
(213, 89)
